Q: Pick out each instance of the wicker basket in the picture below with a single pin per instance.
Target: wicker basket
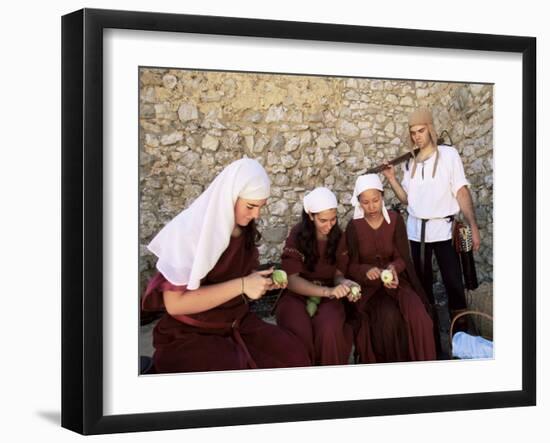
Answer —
(477, 314)
(481, 300)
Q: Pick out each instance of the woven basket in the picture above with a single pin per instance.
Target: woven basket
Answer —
(474, 314)
(481, 300)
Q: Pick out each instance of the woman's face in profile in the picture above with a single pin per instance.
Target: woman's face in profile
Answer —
(247, 210)
(324, 221)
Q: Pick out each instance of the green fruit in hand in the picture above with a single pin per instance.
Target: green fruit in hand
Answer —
(355, 291)
(279, 277)
(311, 308)
(315, 299)
(386, 276)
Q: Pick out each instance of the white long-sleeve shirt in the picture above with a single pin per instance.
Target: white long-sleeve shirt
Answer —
(433, 198)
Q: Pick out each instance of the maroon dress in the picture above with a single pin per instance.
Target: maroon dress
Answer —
(228, 336)
(389, 324)
(326, 335)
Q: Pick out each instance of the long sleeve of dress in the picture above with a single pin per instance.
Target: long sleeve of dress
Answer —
(342, 256)
(397, 260)
(358, 271)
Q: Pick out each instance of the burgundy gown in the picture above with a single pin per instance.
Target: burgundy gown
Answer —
(326, 335)
(228, 336)
(389, 324)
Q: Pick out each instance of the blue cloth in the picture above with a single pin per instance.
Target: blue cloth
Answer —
(466, 346)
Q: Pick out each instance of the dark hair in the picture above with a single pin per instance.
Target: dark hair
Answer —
(251, 235)
(306, 241)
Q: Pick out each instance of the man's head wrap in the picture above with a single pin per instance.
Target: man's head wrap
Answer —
(423, 116)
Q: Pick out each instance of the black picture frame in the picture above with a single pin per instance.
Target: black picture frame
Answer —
(82, 218)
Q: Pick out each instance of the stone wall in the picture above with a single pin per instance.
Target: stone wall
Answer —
(307, 131)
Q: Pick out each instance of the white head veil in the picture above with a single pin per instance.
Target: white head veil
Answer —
(364, 182)
(318, 200)
(190, 245)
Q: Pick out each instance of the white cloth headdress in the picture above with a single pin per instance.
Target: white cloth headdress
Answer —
(364, 182)
(190, 245)
(318, 200)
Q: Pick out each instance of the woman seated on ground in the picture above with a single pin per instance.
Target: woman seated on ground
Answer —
(311, 307)
(391, 320)
(206, 260)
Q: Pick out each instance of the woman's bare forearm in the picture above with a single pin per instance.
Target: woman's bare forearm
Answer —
(203, 298)
(466, 205)
(301, 286)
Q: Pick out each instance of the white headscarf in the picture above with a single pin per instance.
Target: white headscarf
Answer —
(364, 182)
(318, 200)
(190, 245)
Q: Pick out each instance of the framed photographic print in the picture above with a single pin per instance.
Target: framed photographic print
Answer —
(156, 106)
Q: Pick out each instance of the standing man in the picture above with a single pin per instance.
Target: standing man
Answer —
(435, 189)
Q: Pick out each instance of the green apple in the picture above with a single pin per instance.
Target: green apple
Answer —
(386, 276)
(311, 308)
(355, 292)
(279, 277)
(315, 299)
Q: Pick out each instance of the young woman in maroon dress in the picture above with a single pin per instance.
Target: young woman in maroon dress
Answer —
(314, 257)
(392, 322)
(206, 260)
